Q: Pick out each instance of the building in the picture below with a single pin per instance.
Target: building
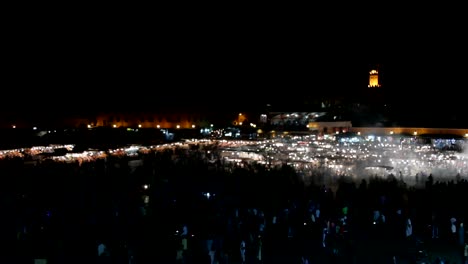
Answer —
(374, 79)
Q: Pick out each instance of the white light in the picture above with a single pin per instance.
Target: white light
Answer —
(34, 128)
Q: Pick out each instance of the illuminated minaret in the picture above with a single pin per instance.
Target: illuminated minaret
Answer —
(373, 79)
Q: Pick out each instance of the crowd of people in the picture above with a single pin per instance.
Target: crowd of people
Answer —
(186, 204)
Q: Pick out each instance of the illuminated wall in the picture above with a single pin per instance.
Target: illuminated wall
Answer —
(150, 120)
(330, 127)
(169, 119)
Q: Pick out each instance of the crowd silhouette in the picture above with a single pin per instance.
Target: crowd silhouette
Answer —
(177, 206)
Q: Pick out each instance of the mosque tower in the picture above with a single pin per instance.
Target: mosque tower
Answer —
(374, 78)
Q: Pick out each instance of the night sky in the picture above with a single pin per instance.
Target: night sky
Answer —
(126, 66)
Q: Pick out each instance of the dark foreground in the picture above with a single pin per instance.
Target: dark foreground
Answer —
(62, 212)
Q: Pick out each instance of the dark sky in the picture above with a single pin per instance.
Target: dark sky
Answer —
(106, 64)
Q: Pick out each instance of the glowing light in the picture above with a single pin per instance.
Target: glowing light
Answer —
(374, 78)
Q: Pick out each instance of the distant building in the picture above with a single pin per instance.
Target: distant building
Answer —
(374, 79)
(330, 127)
(122, 119)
